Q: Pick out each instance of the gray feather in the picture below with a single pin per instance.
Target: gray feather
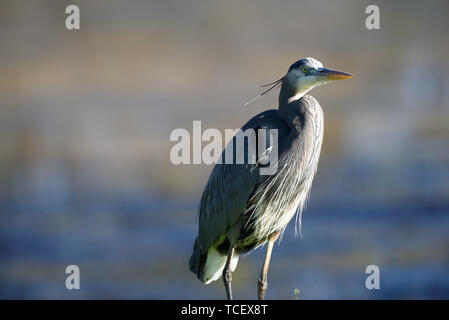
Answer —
(225, 199)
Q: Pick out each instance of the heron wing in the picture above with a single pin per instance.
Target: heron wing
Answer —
(225, 196)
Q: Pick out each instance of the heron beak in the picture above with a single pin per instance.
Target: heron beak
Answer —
(330, 75)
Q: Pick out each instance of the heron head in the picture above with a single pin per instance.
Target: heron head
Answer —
(307, 73)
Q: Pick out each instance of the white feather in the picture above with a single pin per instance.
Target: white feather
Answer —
(215, 263)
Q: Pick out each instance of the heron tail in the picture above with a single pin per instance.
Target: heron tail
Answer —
(195, 259)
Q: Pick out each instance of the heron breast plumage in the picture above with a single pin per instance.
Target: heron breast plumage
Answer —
(276, 200)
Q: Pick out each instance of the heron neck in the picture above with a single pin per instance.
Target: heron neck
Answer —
(288, 99)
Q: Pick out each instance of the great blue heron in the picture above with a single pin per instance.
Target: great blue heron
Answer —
(240, 208)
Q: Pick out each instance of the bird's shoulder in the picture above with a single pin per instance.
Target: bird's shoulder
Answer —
(268, 119)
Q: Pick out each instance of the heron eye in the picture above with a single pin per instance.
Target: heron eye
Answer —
(304, 69)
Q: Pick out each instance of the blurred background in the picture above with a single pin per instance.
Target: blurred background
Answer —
(85, 119)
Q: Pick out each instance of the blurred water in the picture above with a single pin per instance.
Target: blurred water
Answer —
(136, 246)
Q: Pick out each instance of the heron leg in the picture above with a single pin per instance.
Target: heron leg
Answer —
(227, 275)
(262, 283)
